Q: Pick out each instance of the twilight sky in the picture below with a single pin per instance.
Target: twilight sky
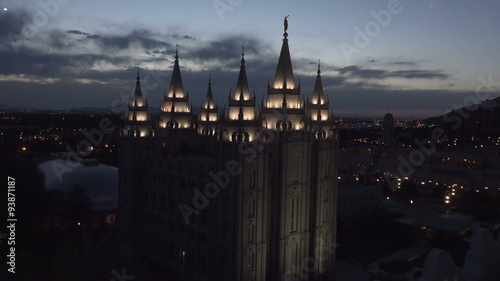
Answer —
(418, 58)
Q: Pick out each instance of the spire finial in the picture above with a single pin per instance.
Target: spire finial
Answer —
(242, 55)
(176, 52)
(285, 23)
(138, 74)
(319, 66)
(209, 80)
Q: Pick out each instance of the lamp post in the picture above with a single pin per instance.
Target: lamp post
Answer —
(447, 201)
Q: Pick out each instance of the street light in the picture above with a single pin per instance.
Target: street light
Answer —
(447, 201)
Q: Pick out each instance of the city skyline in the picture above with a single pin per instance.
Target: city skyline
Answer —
(420, 58)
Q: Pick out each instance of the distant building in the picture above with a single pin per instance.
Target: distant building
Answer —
(388, 129)
(246, 195)
(355, 201)
(474, 169)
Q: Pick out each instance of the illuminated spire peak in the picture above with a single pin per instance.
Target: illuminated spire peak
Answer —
(242, 55)
(242, 89)
(138, 91)
(318, 97)
(284, 70)
(137, 100)
(176, 88)
(209, 100)
(137, 119)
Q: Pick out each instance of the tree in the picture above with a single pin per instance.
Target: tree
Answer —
(77, 205)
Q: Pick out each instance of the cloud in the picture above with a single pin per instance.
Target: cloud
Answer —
(366, 73)
(230, 47)
(73, 68)
(162, 52)
(404, 63)
(186, 37)
(418, 74)
(78, 32)
(142, 37)
(13, 22)
(356, 71)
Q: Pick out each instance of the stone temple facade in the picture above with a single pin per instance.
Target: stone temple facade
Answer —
(244, 193)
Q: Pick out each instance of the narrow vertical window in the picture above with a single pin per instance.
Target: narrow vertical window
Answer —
(293, 214)
(252, 177)
(250, 262)
(250, 233)
(325, 213)
(251, 207)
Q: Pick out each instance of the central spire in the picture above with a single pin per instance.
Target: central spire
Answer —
(284, 72)
(242, 89)
(176, 88)
(175, 110)
(138, 101)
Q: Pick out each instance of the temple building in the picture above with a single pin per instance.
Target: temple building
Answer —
(245, 193)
